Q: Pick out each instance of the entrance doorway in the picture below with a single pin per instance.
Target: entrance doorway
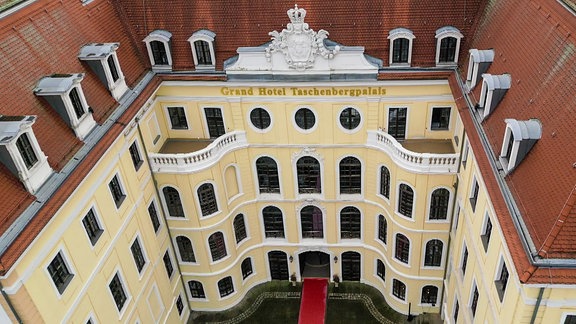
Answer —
(314, 264)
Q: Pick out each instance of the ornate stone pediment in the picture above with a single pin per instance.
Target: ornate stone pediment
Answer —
(299, 44)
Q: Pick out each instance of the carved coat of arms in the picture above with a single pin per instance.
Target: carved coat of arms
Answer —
(299, 44)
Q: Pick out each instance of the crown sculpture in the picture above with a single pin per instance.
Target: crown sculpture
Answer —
(299, 44)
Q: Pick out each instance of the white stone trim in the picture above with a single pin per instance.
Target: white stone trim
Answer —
(396, 34)
(208, 37)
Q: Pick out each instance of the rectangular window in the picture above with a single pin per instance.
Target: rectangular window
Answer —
(116, 190)
(76, 103)
(138, 255)
(215, 122)
(92, 227)
(154, 217)
(464, 260)
(203, 52)
(135, 155)
(26, 151)
(112, 67)
(399, 289)
(177, 117)
(117, 291)
(179, 305)
(465, 150)
(59, 272)
(474, 303)
(168, 264)
(474, 195)
(570, 319)
(487, 232)
(502, 281)
(456, 310)
(397, 122)
(440, 118)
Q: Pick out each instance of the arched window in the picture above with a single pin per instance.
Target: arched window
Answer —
(382, 229)
(217, 246)
(447, 45)
(246, 268)
(203, 52)
(196, 289)
(159, 53)
(239, 228)
(447, 49)
(380, 269)
(439, 204)
(350, 176)
(202, 44)
(311, 222)
(402, 252)
(173, 202)
(278, 263)
(225, 286)
(273, 222)
(400, 50)
(158, 46)
(385, 182)
(308, 171)
(399, 289)
(207, 199)
(401, 40)
(350, 226)
(429, 295)
(267, 171)
(351, 266)
(185, 249)
(405, 200)
(433, 255)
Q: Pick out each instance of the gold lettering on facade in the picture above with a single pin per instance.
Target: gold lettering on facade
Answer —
(314, 91)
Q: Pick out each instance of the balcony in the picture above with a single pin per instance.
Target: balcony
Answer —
(175, 156)
(417, 155)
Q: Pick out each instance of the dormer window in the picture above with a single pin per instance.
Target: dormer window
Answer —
(21, 153)
(400, 47)
(158, 45)
(493, 89)
(519, 137)
(202, 43)
(102, 59)
(478, 64)
(64, 93)
(447, 45)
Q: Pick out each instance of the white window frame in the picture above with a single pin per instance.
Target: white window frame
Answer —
(423, 249)
(169, 125)
(256, 181)
(246, 228)
(407, 124)
(407, 264)
(314, 154)
(209, 252)
(299, 220)
(355, 196)
(397, 201)
(65, 257)
(135, 238)
(177, 249)
(476, 57)
(122, 189)
(302, 130)
(353, 130)
(207, 36)
(34, 177)
(122, 311)
(405, 301)
(216, 197)
(450, 122)
(384, 214)
(165, 204)
(96, 213)
(233, 286)
(205, 119)
(379, 183)
(251, 125)
(250, 275)
(396, 34)
(263, 228)
(339, 229)
(91, 52)
(448, 210)
(164, 37)
(443, 32)
(490, 83)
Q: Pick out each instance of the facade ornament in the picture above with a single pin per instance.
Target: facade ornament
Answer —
(299, 44)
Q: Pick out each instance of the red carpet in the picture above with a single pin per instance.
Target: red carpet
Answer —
(313, 301)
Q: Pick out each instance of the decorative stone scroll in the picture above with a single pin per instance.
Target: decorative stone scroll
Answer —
(299, 44)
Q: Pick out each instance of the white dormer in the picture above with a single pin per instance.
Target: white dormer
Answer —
(102, 59)
(447, 45)
(21, 153)
(519, 137)
(478, 64)
(494, 88)
(64, 93)
(202, 44)
(158, 46)
(400, 46)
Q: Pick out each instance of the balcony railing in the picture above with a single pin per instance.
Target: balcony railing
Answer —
(416, 162)
(188, 162)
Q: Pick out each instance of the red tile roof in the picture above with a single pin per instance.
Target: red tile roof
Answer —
(537, 46)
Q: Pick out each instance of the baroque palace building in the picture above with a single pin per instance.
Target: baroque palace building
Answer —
(161, 157)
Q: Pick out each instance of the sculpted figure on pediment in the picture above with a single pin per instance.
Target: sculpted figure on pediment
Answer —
(299, 44)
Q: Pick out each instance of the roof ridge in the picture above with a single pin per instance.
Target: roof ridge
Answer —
(559, 224)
